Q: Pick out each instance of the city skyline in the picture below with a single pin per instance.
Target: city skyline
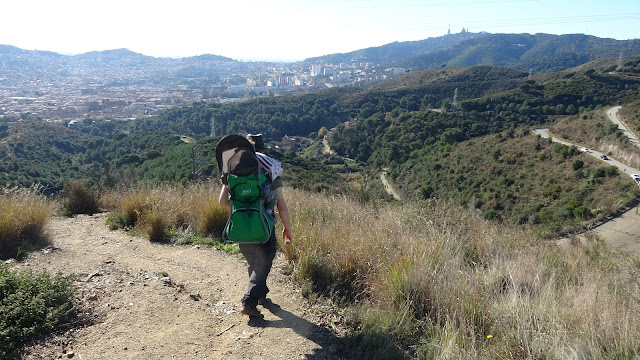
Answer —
(287, 30)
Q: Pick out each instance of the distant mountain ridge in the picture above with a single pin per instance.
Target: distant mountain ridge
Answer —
(19, 65)
(539, 52)
(113, 53)
(395, 50)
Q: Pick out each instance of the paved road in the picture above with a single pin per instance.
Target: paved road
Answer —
(613, 116)
(623, 167)
(623, 232)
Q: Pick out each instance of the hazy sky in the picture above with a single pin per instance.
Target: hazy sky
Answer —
(291, 29)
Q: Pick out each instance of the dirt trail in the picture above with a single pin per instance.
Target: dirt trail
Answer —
(387, 186)
(134, 312)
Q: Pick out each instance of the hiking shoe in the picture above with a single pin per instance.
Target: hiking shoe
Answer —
(264, 301)
(250, 310)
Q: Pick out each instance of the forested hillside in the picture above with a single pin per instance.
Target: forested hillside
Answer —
(396, 50)
(452, 155)
(537, 52)
(391, 139)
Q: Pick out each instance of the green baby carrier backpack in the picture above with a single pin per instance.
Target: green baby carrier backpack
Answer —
(248, 220)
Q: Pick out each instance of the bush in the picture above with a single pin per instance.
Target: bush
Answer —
(491, 214)
(30, 304)
(213, 219)
(116, 220)
(582, 213)
(426, 191)
(578, 164)
(132, 207)
(79, 199)
(156, 226)
(22, 219)
(167, 211)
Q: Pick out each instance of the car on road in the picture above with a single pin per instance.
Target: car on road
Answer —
(604, 157)
(636, 177)
(585, 150)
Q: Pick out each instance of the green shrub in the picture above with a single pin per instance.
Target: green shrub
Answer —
(578, 164)
(116, 220)
(426, 191)
(79, 199)
(30, 304)
(582, 212)
(491, 214)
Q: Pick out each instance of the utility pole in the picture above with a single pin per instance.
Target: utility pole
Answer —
(213, 126)
(620, 60)
(455, 98)
(197, 163)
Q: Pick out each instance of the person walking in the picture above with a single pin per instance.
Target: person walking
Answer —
(260, 256)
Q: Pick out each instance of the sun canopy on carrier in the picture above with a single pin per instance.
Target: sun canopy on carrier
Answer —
(235, 154)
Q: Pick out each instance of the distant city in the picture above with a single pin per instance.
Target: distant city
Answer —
(120, 84)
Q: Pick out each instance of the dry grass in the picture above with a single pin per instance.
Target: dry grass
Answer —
(24, 214)
(79, 199)
(159, 209)
(445, 284)
(434, 280)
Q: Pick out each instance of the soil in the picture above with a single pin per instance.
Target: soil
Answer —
(143, 300)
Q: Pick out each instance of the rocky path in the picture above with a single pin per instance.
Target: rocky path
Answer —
(150, 301)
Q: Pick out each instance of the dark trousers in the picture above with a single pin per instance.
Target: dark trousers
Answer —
(259, 259)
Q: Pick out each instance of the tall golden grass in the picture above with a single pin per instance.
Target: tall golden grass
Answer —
(437, 281)
(157, 209)
(23, 216)
(445, 284)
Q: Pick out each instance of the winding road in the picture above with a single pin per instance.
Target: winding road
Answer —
(544, 132)
(612, 113)
(623, 232)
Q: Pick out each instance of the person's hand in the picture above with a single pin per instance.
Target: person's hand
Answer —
(286, 236)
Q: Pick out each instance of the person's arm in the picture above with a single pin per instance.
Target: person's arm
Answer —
(283, 211)
(224, 196)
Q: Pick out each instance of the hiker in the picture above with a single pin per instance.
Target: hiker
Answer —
(260, 256)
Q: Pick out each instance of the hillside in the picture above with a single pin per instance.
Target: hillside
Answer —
(394, 51)
(51, 154)
(538, 52)
(431, 88)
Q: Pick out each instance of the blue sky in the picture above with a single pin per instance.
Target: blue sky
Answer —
(291, 29)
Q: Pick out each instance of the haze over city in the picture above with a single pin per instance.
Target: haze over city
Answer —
(288, 30)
